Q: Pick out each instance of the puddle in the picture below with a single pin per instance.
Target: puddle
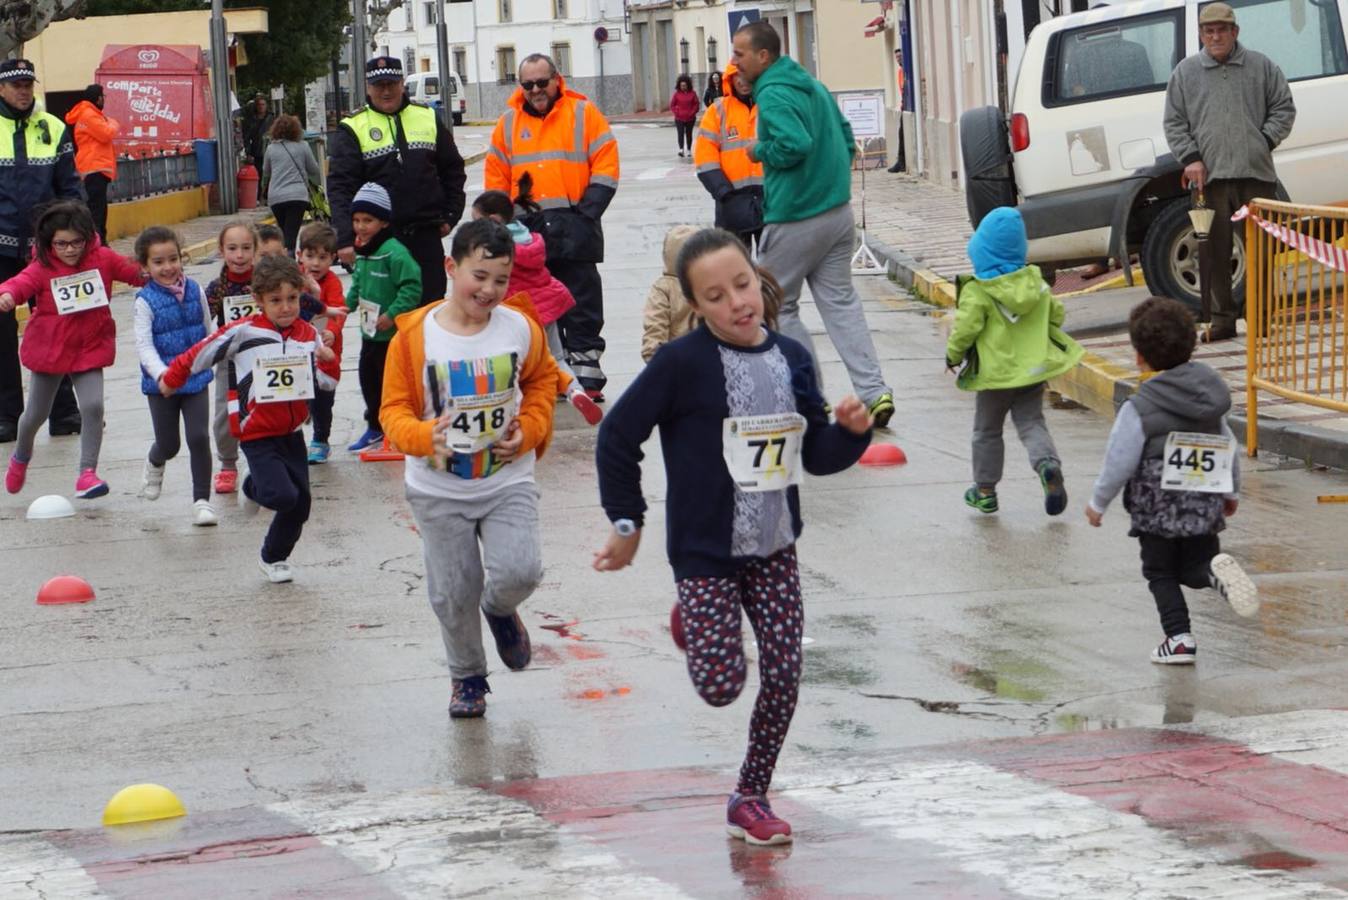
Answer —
(1010, 681)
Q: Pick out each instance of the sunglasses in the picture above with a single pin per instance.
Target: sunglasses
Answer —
(536, 85)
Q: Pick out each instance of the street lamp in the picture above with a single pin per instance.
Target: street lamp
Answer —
(1201, 216)
(683, 54)
(711, 53)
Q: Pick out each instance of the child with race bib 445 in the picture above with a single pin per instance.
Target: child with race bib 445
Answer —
(230, 298)
(469, 392)
(70, 333)
(740, 419)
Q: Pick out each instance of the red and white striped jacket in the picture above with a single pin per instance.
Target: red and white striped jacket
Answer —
(243, 343)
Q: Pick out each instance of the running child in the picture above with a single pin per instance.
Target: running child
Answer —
(318, 250)
(740, 417)
(1173, 455)
(1008, 334)
(385, 283)
(230, 298)
(71, 332)
(548, 297)
(468, 397)
(171, 316)
(269, 360)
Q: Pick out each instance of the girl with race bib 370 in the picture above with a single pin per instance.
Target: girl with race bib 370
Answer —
(70, 333)
(740, 419)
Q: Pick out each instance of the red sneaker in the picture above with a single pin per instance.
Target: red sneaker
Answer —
(676, 627)
(226, 481)
(586, 406)
(15, 475)
(750, 818)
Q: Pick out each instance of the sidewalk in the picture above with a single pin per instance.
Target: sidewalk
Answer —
(199, 236)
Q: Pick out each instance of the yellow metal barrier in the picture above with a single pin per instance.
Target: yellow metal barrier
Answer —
(1296, 307)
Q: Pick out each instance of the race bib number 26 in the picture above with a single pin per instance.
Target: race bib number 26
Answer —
(762, 453)
(279, 379)
(1193, 461)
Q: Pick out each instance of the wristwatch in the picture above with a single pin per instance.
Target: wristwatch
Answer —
(624, 527)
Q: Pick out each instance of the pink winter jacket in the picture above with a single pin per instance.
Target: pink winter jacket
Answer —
(57, 344)
(684, 105)
(548, 295)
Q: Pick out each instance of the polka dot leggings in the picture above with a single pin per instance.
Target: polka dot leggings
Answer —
(768, 590)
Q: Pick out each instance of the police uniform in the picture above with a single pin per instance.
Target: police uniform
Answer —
(411, 154)
(37, 165)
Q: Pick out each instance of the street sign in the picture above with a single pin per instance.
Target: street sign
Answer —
(741, 17)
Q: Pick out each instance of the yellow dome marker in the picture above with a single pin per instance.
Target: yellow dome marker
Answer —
(142, 803)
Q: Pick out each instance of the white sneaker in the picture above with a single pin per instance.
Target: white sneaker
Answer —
(277, 572)
(151, 481)
(203, 514)
(1230, 580)
(1180, 650)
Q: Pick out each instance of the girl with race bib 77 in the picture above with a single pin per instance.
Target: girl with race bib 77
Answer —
(740, 419)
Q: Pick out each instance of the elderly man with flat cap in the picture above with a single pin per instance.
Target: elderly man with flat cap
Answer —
(37, 165)
(1226, 108)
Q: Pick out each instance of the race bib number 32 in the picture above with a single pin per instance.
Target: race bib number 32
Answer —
(762, 453)
(280, 379)
(1200, 462)
(80, 292)
(239, 307)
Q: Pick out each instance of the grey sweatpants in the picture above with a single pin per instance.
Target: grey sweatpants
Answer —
(479, 554)
(226, 444)
(818, 250)
(42, 393)
(1026, 405)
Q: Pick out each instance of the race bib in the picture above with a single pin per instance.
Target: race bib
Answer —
(239, 307)
(280, 379)
(763, 452)
(369, 317)
(1198, 462)
(476, 421)
(78, 293)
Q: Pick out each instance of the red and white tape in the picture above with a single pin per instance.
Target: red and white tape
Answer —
(1326, 254)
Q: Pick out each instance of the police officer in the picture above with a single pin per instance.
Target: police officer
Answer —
(721, 154)
(37, 165)
(406, 149)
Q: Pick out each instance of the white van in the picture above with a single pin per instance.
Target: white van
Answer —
(424, 87)
(1084, 154)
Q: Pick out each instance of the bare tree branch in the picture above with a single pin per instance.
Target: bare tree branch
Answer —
(379, 14)
(23, 20)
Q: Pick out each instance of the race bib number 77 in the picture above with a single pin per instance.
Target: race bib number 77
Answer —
(1193, 461)
(762, 453)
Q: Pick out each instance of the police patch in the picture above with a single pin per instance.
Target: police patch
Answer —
(376, 134)
(525, 134)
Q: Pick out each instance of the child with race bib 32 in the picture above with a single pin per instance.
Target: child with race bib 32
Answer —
(740, 419)
(70, 333)
(469, 390)
(230, 298)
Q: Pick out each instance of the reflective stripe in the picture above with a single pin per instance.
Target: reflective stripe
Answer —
(606, 180)
(709, 167)
(492, 149)
(508, 129)
(578, 138)
(712, 136)
(737, 144)
(746, 181)
(554, 203)
(549, 156)
(605, 138)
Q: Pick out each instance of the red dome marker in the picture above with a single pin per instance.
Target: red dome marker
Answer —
(65, 589)
(883, 455)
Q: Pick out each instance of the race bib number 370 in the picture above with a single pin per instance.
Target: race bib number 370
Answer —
(762, 453)
(280, 379)
(1193, 461)
(79, 292)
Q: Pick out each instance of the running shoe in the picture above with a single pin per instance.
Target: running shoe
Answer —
(1236, 588)
(151, 481)
(586, 406)
(277, 572)
(882, 409)
(676, 627)
(226, 481)
(203, 514)
(15, 475)
(469, 697)
(89, 485)
(984, 503)
(750, 818)
(512, 639)
(1180, 650)
(319, 451)
(1055, 491)
(595, 394)
(371, 436)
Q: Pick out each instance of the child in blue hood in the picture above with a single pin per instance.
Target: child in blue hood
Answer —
(1008, 334)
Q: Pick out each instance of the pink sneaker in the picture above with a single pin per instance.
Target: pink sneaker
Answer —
(586, 406)
(750, 818)
(90, 485)
(15, 475)
(226, 481)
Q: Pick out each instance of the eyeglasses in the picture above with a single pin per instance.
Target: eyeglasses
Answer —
(69, 245)
(538, 85)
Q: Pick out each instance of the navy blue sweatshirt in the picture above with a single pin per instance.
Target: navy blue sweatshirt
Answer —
(686, 391)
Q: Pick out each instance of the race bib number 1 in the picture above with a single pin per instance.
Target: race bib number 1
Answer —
(369, 317)
(479, 420)
(1198, 462)
(763, 452)
(80, 292)
(239, 307)
(280, 379)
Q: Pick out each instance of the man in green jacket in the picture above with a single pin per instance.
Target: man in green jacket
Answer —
(806, 148)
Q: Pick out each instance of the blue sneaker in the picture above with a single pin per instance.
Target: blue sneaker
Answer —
(469, 697)
(512, 639)
(319, 451)
(371, 436)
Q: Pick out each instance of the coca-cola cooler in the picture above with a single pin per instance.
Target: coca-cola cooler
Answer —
(160, 93)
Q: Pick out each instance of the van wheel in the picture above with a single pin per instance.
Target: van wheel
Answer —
(988, 179)
(1170, 257)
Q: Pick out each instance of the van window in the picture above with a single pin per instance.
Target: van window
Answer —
(1304, 37)
(432, 85)
(1114, 59)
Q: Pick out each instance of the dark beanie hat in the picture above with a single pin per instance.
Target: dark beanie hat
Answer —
(93, 92)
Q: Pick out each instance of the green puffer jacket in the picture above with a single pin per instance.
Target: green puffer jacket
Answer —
(385, 274)
(1008, 329)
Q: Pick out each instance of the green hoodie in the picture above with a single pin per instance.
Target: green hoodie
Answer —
(386, 274)
(804, 143)
(1010, 328)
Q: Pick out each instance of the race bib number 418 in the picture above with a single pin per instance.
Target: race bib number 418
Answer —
(1193, 461)
(762, 453)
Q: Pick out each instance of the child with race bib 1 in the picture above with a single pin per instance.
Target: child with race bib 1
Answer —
(270, 366)
(740, 419)
(230, 298)
(70, 333)
(469, 390)
(1174, 457)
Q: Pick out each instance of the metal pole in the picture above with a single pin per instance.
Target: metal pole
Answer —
(358, 52)
(442, 59)
(477, 63)
(224, 120)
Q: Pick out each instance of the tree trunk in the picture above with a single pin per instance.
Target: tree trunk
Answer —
(23, 20)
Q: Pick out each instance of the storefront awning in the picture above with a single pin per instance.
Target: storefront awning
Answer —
(875, 26)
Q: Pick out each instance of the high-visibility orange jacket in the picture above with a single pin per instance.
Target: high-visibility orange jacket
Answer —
(721, 155)
(572, 157)
(93, 133)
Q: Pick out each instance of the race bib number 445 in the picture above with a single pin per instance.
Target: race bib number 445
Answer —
(762, 453)
(80, 292)
(1193, 461)
(280, 379)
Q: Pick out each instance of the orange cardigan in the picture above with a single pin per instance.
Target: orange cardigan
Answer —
(405, 398)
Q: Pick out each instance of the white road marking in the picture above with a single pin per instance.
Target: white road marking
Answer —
(653, 174)
(31, 867)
